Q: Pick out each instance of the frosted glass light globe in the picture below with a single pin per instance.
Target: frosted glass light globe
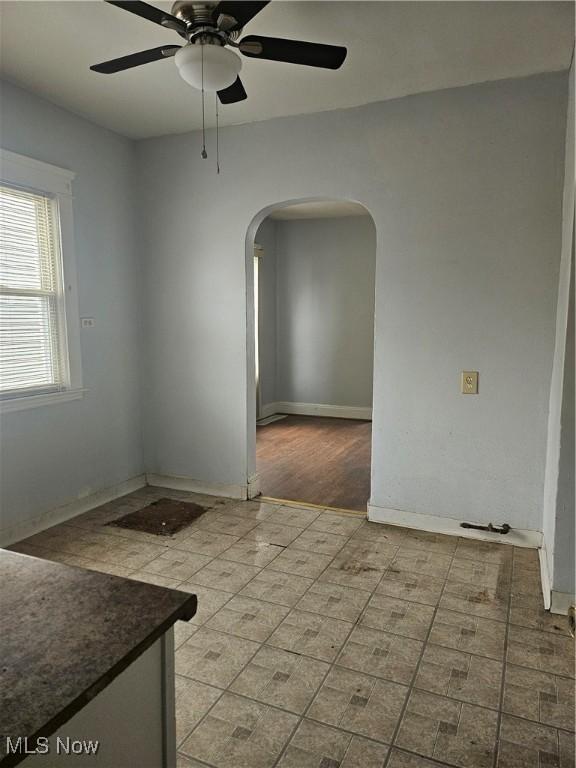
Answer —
(221, 66)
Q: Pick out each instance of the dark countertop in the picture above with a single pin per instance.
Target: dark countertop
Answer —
(65, 634)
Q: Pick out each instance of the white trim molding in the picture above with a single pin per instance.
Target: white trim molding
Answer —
(449, 526)
(66, 512)
(24, 402)
(268, 410)
(554, 601)
(254, 486)
(545, 581)
(318, 409)
(561, 602)
(178, 483)
(28, 173)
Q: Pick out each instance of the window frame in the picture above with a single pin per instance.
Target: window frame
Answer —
(56, 183)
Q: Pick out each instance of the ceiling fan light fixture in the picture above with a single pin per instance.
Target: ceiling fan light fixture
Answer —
(221, 66)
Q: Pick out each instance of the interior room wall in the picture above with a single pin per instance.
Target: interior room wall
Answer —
(564, 574)
(55, 454)
(554, 524)
(325, 310)
(465, 188)
(267, 331)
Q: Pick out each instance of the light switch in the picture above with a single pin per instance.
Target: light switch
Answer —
(469, 382)
(88, 322)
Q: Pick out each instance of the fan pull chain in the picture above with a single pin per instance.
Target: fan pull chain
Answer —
(204, 153)
(217, 140)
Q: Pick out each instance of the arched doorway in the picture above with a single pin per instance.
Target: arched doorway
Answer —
(322, 321)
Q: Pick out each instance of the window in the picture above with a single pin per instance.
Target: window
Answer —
(32, 344)
(39, 344)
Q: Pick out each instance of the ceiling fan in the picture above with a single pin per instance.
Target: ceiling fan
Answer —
(211, 29)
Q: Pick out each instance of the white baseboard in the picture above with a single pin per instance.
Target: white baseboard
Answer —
(545, 578)
(61, 514)
(561, 602)
(554, 601)
(317, 409)
(451, 527)
(197, 486)
(254, 488)
(267, 410)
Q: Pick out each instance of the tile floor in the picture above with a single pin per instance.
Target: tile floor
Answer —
(325, 641)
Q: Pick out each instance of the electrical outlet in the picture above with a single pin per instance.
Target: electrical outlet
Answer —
(469, 382)
(88, 322)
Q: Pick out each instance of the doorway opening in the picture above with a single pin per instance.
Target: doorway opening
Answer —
(311, 268)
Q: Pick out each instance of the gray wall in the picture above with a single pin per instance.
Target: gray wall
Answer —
(464, 186)
(564, 572)
(465, 189)
(267, 332)
(325, 310)
(54, 454)
(556, 523)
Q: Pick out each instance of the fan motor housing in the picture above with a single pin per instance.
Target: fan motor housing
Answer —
(193, 13)
(201, 24)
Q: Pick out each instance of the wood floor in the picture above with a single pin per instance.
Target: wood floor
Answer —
(316, 460)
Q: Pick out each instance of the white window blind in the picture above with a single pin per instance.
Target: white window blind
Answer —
(32, 340)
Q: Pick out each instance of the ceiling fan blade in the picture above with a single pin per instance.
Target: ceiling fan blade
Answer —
(151, 13)
(135, 59)
(293, 51)
(241, 11)
(233, 93)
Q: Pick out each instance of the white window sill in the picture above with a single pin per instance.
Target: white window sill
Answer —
(35, 401)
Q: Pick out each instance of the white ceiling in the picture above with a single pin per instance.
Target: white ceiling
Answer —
(394, 49)
(319, 209)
